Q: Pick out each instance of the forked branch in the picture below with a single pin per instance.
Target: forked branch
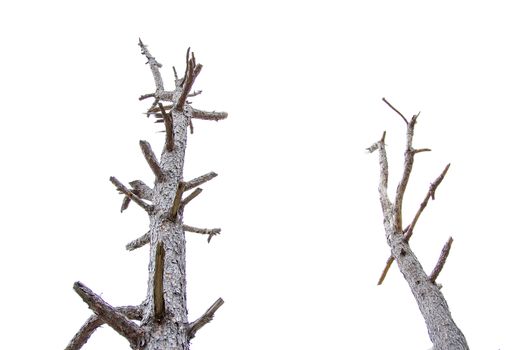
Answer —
(203, 231)
(192, 71)
(95, 321)
(115, 319)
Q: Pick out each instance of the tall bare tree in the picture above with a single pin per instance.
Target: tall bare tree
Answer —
(443, 331)
(163, 315)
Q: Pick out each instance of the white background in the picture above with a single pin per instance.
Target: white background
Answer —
(302, 243)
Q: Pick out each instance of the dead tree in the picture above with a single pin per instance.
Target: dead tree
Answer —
(163, 315)
(443, 331)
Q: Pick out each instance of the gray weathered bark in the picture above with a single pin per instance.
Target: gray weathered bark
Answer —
(443, 331)
(163, 315)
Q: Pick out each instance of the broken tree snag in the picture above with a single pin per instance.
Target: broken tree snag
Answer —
(442, 330)
(441, 261)
(192, 71)
(204, 319)
(116, 320)
(124, 190)
(204, 231)
(409, 230)
(139, 242)
(168, 123)
(199, 180)
(142, 190)
(198, 114)
(92, 323)
(158, 283)
(177, 201)
(191, 196)
(151, 159)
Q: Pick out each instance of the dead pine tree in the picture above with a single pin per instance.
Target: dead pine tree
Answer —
(443, 331)
(163, 315)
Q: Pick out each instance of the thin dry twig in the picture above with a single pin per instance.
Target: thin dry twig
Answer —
(395, 110)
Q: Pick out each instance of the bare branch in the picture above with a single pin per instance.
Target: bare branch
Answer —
(407, 170)
(195, 93)
(168, 123)
(145, 96)
(204, 231)
(386, 205)
(204, 319)
(395, 110)
(441, 261)
(191, 196)
(151, 159)
(177, 200)
(110, 315)
(192, 71)
(158, 283)
(123, 189)
(139, 242)
(154, 65)
(92, 323)
(199, 180)
(198, 114)
(430, 194)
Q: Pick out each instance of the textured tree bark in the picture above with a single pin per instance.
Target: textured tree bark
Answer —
(442, 330)
(164, 314)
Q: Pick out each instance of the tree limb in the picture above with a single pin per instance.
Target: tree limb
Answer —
(124, 190)
(139, 242)
(198, 114)
(168, 123)
(192, 71)
(191, 196)
(199, 180)
(115, 319)
(93, 322)
(151, 159)
(441, 261)
(204, 231)
(194, 326)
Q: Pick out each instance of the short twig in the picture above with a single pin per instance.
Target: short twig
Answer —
(199, 180)
(204, 231)
(441, 261)
(191, 196)
(151, 159)
(139, 242)
(198, 114)
(204, 319)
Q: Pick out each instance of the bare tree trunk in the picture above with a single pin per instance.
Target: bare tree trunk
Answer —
(442, 330)
(163, 315)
